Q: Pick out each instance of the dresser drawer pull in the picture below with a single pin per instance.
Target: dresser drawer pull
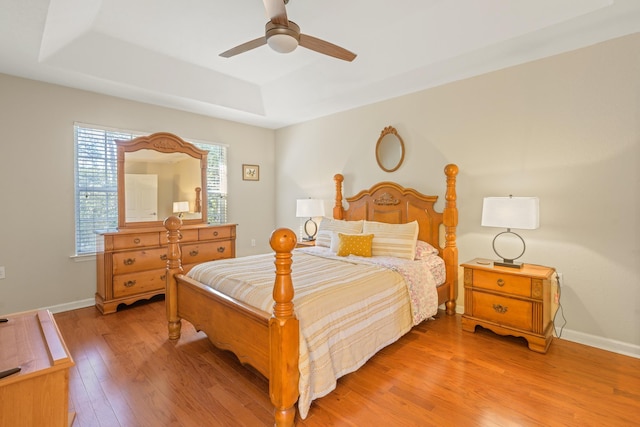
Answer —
(129, 283)
(136, 240)
(221, 249)
(499, 308)
(163, 277)
(215, 234)
(193, 252)
(163, 257)
(500, 282)
(129, 261)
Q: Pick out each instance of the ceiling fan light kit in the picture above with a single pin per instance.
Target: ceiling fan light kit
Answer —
(282, 39)
(284, 36)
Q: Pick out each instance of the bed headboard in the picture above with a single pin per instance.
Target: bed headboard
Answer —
(392, 203)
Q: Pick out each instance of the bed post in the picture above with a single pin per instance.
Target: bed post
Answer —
(284, 349)
(338, 210)
(174, 266)
(450, 220)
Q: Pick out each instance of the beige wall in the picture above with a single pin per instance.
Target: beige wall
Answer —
(565, 129)
(37, 173)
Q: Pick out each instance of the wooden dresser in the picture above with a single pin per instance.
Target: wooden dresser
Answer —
(38, 395)
(509, 301)
(131, 263)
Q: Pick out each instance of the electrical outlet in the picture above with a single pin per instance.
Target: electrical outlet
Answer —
(560, 279)
(253, 242)
(2, 276)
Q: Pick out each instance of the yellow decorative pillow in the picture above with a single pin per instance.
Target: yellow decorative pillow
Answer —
(354, 244)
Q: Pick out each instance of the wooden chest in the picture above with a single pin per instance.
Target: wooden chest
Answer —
(38, 395)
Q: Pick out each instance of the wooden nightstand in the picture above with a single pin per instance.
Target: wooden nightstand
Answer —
(509, 301)
(305, 243)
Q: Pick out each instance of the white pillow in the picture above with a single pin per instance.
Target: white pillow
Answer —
(329, 226)
(397, 240)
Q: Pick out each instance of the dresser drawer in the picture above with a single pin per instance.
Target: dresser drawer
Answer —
(207, 251)
(140, 240)
(187, 236)
(212, 233)
(132, 261)
(502, 282)
(137, 283)
(503, 311)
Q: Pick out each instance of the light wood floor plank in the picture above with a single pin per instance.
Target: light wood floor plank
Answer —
(129, 374)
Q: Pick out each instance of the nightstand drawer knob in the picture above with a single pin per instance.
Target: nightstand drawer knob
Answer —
(499, 308)
(500, 282)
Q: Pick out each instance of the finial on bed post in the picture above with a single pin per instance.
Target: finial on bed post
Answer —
(450, 220)
(338, 210)
(174, 266)
(283, 332)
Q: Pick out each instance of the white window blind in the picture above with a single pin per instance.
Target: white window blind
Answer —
(96, 182)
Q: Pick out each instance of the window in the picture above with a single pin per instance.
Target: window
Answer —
(96, 182)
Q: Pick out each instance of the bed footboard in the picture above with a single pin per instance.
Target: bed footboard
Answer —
(269, 342)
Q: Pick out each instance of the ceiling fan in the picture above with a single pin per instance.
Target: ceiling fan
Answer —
(284, 36)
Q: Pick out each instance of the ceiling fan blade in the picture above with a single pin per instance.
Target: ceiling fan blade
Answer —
(326, 48)
(276, 12)
(244, 47)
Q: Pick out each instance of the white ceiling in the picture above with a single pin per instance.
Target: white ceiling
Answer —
(165, 52)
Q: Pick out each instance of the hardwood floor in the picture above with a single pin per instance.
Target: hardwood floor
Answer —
(128, 373)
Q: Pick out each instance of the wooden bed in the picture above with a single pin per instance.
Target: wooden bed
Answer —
(270, 341)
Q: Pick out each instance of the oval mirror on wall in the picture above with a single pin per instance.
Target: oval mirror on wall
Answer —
(389, 150)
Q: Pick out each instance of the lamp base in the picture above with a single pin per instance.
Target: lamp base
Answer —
(508, 263)
(310, 228)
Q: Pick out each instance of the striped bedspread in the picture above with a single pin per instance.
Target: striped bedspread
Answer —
(348, 310)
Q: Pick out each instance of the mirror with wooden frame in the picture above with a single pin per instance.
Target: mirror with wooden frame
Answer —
(389, 150)
(160, 175)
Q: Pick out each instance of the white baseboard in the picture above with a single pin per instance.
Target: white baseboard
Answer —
(614, 346)
(71, 305)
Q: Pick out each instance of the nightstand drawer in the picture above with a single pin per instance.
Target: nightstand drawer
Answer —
(501, 282)
(503, 311)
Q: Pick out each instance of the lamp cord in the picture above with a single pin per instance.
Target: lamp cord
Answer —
(560, 309)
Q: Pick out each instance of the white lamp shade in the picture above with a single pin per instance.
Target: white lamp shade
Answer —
(309, 208)
(179, 207)
(511, 212)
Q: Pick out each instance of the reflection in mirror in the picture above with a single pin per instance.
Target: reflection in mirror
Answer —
(154, 181)
(389, 150)
(156, 171)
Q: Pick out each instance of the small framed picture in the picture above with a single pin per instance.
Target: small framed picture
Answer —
(251, 172)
